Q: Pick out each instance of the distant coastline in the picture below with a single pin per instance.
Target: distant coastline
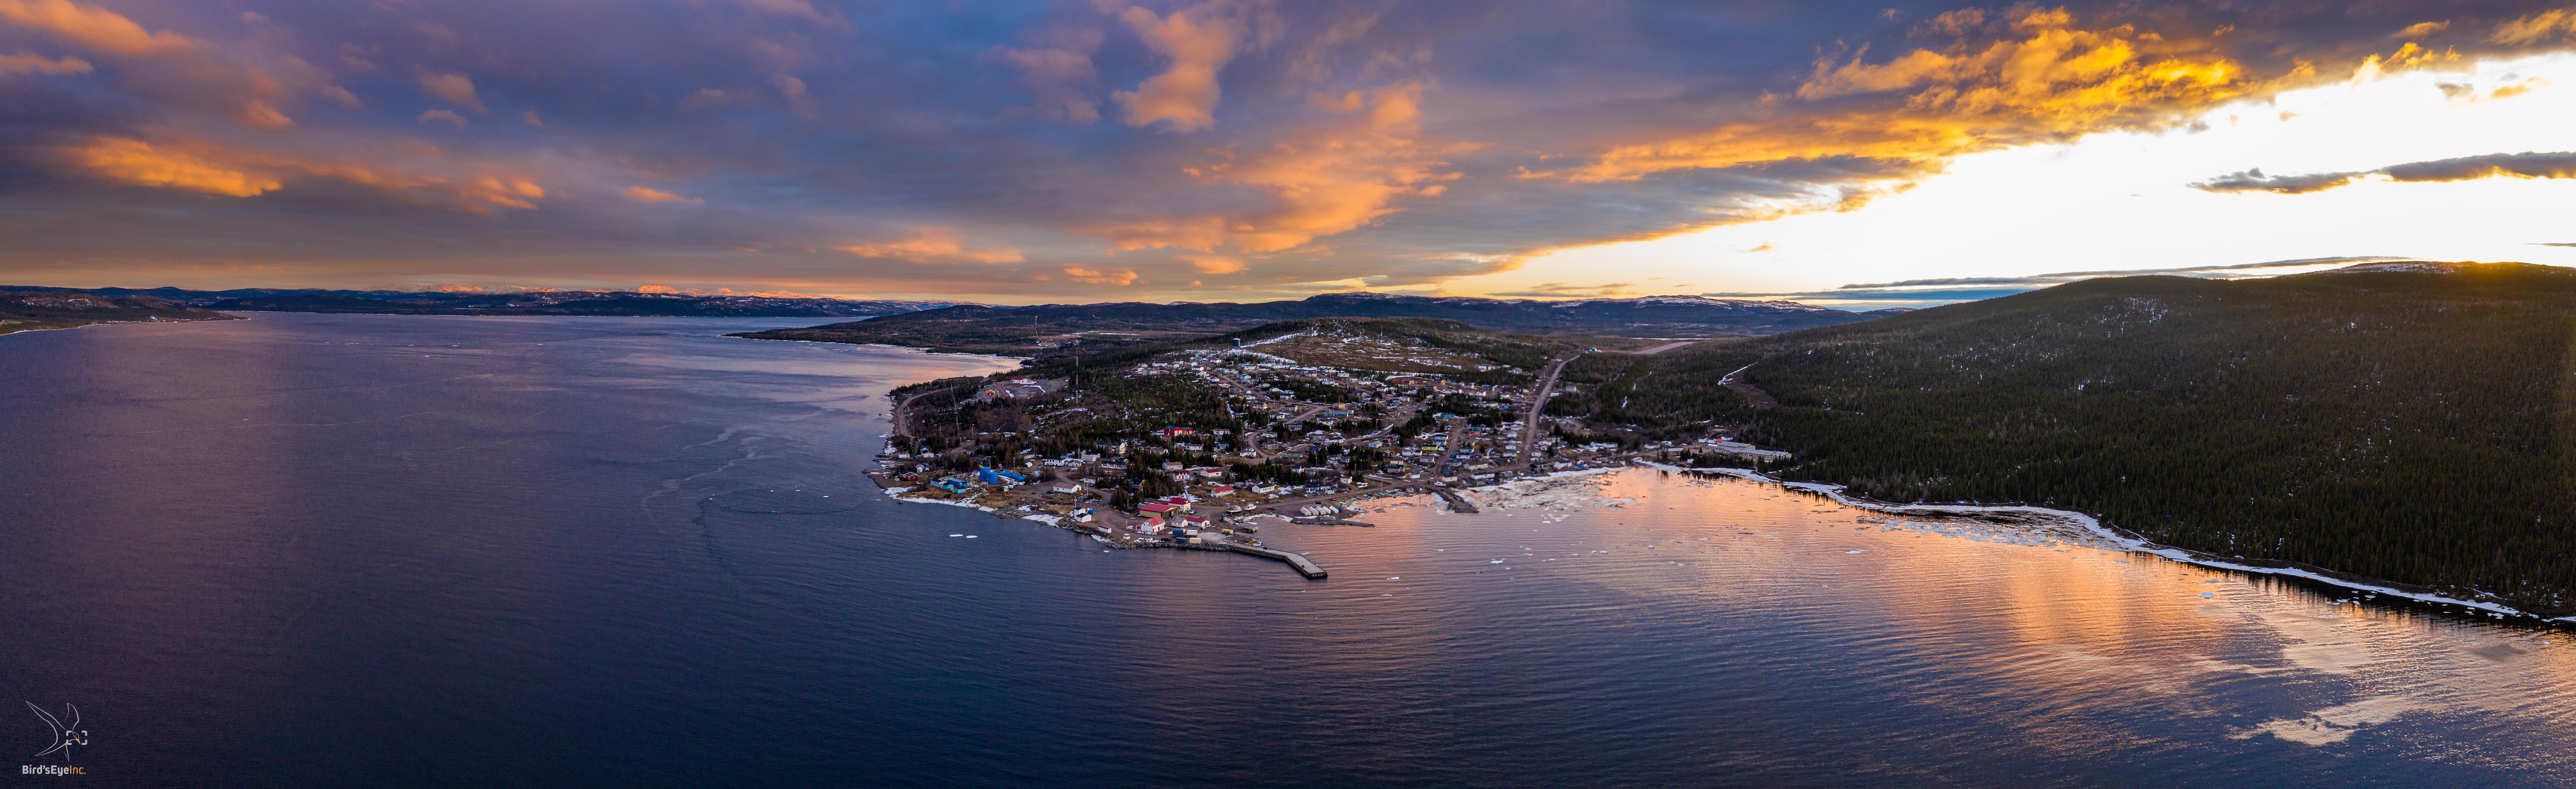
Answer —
(38, 311)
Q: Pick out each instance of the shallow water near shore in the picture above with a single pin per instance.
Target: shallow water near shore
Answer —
(380, 550)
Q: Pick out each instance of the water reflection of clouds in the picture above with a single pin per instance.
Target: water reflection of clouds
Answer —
(2069, 641)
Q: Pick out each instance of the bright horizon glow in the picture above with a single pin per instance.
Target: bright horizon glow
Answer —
(2122, 201)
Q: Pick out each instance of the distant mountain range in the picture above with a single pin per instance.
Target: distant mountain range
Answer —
(544, 302)
(1041, 329)
(1654, 316)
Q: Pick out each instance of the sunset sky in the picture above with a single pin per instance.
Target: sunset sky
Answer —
(1096, 150)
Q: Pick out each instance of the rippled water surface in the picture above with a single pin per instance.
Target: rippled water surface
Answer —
(309, 550)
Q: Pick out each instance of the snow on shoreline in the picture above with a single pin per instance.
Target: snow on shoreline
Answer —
(2094, 526)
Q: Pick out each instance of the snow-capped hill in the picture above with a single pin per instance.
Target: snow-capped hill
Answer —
(2401, 266)
(1695, 301)
(2445, 267)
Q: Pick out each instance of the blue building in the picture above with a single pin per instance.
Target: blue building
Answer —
(989, 476)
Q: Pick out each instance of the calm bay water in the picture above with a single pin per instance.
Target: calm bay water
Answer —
(307, 550)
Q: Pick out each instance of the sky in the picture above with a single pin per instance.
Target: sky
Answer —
(1845, 154)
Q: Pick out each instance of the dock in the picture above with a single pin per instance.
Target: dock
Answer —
(1457, 503)
(1303, 566)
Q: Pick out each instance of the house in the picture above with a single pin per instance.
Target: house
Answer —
(953, 485)
(1181, 503)
(1221, 490)
(1155, 509)
(1173, 465)
(1171, 432)
(1066, 488)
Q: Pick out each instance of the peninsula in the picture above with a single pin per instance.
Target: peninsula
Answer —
(29, 311)
(2400, 424)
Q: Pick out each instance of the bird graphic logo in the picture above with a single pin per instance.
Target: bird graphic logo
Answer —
(65, 736)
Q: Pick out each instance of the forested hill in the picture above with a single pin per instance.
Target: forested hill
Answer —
(536, 302)
(2414, 422)
(1038, 329)
(27, 311)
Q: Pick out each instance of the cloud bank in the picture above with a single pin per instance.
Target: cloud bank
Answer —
(2466, 168)
(1078, 149)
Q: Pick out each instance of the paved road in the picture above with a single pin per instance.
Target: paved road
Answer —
(1538, 405)
(900, 409)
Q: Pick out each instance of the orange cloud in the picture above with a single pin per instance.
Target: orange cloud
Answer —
(2422, 29)
(2536, 28)
(932, 245)
(90, 26)
(1323, 181)
(31, 63)
(454, 89)
(1060, 78)
(208, 168)
(1215, 265)
(254, 91)
(1097, 277)
(651, 195)
(1202, 233)
(1185, 94)
(2049, 81)
(136, 162)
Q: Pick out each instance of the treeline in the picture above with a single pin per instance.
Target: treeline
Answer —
(2417, 427)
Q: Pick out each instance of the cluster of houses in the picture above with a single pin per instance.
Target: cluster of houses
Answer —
(983, 474)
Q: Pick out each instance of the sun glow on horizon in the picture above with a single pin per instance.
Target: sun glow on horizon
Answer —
(2124, 200)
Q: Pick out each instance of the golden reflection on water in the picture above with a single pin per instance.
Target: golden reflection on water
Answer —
(2051, 634)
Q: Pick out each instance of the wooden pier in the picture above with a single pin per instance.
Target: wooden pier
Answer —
(1303, 566)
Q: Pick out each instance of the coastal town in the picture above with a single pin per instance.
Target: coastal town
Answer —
(1203, 447)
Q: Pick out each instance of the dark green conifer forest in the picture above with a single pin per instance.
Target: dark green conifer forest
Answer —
(2415, 427)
